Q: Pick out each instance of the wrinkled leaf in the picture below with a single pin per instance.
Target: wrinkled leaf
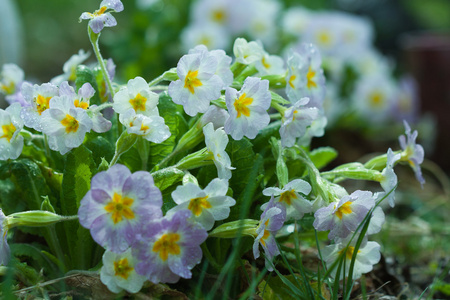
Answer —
(322, 156)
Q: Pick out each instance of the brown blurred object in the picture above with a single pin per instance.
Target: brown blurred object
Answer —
(427, 57)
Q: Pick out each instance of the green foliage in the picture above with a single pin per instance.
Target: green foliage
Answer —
(322, 156)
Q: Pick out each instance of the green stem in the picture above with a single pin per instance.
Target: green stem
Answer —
(101, 107)
(159, 87)
(280, 108)
(93, 37)
(210, 258)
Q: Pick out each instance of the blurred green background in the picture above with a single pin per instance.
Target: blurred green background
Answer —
(146, 42)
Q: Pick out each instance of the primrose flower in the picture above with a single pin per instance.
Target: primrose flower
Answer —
(247, 52)
(118, 205)
(290, 197)
(407, 100)
(261, 22)
(118, 272)
(207, 206)
(272, 219)
(223, 63)
(102, 17)
(368, 255)
(215, 115)
(248, 108)
(11, 78)
(344, 216)
(151, 128)
(305, 76)
(216, 141)
(11, 142)
(81, 100)
(374, 97)
(296, 120)
(70, 67)
(38, 100)
(198, 83)
(412, 153)
(212, 36)
(137, 96)
(169, 248)
(270, 65)
(296, 19)
(65, 124)
(389, 179)
(5, 252)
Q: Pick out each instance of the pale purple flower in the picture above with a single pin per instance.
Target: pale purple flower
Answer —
(65, 124)
(389, 179)
(11, 142)
(290, 196)
(118, 205)
(207, 206)
(216, 141)
(248, 108)
(215, 115)
(169, 248)
(5, 252)
(412, 153)
(368, 255)
(11, 79)
(344, 216)
(272, 219)
(118, 272)
(198, 83)
(296, 121)
(102, 16)
(270, 65)
(38, 99)
(70, 67)
(305, 75)
(407, 100)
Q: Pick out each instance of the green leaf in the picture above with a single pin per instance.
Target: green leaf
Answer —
(78, 171)
(34, 252)
(86, 75)
(100, 148)
(242, 158)
(166, 177)
(322, 156)
(177, 126)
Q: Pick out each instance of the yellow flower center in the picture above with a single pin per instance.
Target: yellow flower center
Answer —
(70, 123)
(166, 245)
(42, 103)
(100, 11)
(264, 63)
(310, 77)
(144, 127)
(122, 268)
(241, 105)
(218, 15)
(196, 205)
(376, 99)
(119, 207)
(345, 209)
(291, 81)
(265, 235)
(8, 131)
(288, 196)
(8, 89)
(138, 102)
(78, 103)
(349, 252)
(324, 38)
(191, 81)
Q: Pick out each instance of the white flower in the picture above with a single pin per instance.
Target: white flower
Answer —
(152, 128)
(323, 32)
(38, 97)
(208, 205)
(65, 124)
(82, 100)
(368, 255)
(11, 143)
(262, 19)
(295, 20)
(248, 108)
(137, 96)
(198, 84)
(10, 78)
(270, 65)
(247, 52)
(118, 272)
(223, 63)
(296, 120)
(374, 97)
(216, 141)
(389, 180)
(212, 36)
(70, 67)
(290, 197)
(215, 115)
